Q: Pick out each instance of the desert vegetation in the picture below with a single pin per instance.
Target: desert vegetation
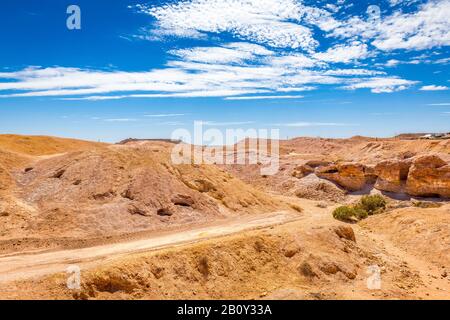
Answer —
(368, 205)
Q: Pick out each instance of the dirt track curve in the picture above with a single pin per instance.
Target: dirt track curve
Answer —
(21, 266)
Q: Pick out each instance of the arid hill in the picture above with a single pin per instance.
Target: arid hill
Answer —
(43, 145)
(87, 190)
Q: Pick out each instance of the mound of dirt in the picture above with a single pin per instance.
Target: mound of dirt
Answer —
(315, 188)
(121, 189)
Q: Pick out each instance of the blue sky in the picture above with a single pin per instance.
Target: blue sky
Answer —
(144, 69)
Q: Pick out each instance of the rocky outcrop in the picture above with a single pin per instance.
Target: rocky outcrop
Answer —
(425, 176)
(392, 175)
(351, 176)
(183, 200)
(302, 171)
(429, 176)
(317, 163)
(308, 167)
(345, 232)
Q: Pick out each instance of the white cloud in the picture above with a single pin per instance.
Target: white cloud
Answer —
(229, 70)
(354, 72)
(382, 85)
(254, 49)
(120, 120)
(344, 53)
(89, 98)
(170, 123)
(233, 52)
(179, 79)
(402, 2)
(440, 104)
(224, 124)
(263, 97)
(426, 28)
(442, 61)
(294, 61)
(164, 115)
(212, 55)
(192, 94)
(316, 124)
(392, 63)
(296, 89)
(237, 70)
(434, 88)
(383, 113)
(278, 23)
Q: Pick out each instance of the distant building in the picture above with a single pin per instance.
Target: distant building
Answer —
(432, 136)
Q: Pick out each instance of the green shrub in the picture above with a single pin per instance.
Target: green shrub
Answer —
(372, 204)
(344, 213)
(347, 213)
(368, 205)
(360, 213)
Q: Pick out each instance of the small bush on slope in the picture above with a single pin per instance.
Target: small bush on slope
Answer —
(349, 213)
(373, 204)
(368, 205)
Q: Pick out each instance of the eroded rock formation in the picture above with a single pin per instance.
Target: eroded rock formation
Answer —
(425, 176)
(392, 175)
(351, 176)
(429, 176)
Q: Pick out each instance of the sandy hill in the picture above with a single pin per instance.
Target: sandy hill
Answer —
(18, 151)
(43, 145)
(101, 191)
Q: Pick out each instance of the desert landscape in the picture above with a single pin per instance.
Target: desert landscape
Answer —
(140, 227)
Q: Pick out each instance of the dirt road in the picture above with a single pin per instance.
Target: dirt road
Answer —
(29, 265)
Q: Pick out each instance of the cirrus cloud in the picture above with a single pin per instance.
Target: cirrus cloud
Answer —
(433, 88)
